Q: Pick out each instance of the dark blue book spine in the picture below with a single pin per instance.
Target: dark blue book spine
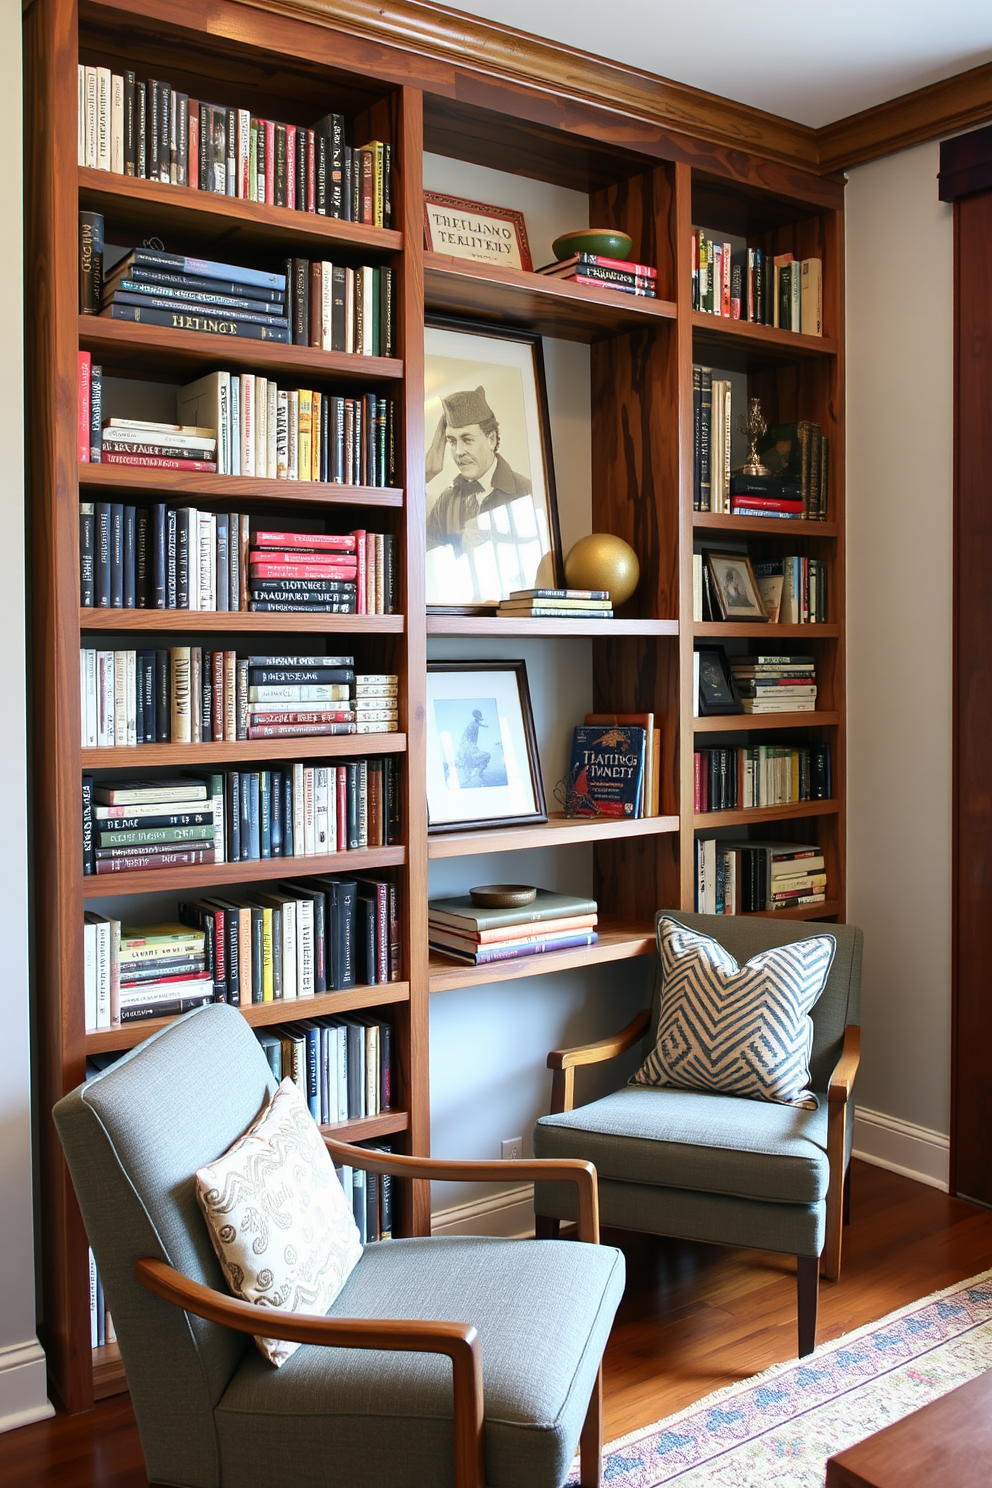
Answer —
(96, 415)
(245, 816)
(264, 814)
(102, 555)
(606, 775)
(159, 555)
(163, 698)
(142, 557)
(313, 1072)
(233, 793)
(87, 544)
(254, 811)
(89, 864)
(130, 558)
(352, 799)
(276, 806)
(171, 563)
(116, 555)
(287, 815)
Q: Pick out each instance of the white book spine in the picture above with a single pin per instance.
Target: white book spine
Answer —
(271, 465)
(103, 76)
(117, 124)
(81, 118)
(220, 836)
(120, 699)
(91, 113)
(103, 974)
(309, 820)
(332, 808)
(224, 422)
(289, 987)
(349, 310)
(235, 420)
(105, 699)
(201, 547)
(326, 303)
(132, 698)
(282, 435)
(367, 292)
(372, 1070)
(90, 735)
(212, 562)
(299, 845)
(94, 1292)
(321, 807)
(244, 153)
(89, 976)
(261, 426)
(304, 948)
(293, 436)
(247, 423)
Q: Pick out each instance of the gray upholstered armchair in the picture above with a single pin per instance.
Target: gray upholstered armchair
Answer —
(716, 1167)
(372, 1400)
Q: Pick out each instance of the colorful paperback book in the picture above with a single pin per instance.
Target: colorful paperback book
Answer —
(606, 774)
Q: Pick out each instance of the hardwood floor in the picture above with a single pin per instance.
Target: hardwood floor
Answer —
(694, 1318)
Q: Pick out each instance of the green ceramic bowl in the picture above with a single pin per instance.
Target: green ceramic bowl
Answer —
(604, 241)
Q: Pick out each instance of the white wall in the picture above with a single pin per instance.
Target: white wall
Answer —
(899, 463)
(22, 1363)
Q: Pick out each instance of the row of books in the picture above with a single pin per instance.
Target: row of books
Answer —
(190, 695)
(287, 943)
(371, 1196)
(796, 456)
(760, 775)
(342, 1066)
(596, 272)
(755, 877)
(775, 684)
(791, 590)
(298, 810)
(615, 767)
(462, 931)
(155, 132)
(557, 604)
(181, 558)
(750, 284)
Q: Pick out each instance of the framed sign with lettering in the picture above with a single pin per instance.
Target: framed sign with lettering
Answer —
(468, 229)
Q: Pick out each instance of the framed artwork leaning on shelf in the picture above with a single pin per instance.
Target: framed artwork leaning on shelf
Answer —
(716, 691)
(492, 513)
(735, 587)
(483, 768)
(476, 231)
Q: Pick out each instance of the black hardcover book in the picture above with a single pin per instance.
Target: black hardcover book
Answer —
(287, 815)
(159, 547)
(300, 315)
(148, 693)
(697, 413)
(154, 128)
(129, 557)
(142, 558)
(163, 696)
(338, 318)
(87, 553)
(279, 182)
(273, 676)
(245, 833)
(352, 805)
(784, 321)
(96, 415)
(138, 1012)
(765, 485)
(338, 148)
(394, 820)
(231, 152)
(325, 442)
(389, 572)
(182, 139)
(321, 175)
(264, 814)
(275, 813)
(89, 863)
(738, 283)
(758, 308)
(130, 125)
(171, 561)
(386, 337)
(705, 419)
(232, 814)
(205, 145)
(347, 172)
(164, 132)
(207, 321)
(184, 555)
(90, 262)
(301, 170)
(116, 555)
(141, 130)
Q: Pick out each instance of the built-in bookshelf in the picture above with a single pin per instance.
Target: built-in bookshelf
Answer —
(642, 355)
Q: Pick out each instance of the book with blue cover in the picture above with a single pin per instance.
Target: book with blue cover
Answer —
(606, 774)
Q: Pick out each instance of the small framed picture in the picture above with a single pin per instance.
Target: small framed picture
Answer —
(735, 587)
(473, 230)
(482, 763)
(715, 687)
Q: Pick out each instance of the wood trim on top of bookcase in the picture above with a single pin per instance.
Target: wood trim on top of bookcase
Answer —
(911, 119)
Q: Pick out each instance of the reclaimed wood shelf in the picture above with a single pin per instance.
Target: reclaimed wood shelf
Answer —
(758, 631)
(257, 870)
(717, 330)
(238, 620)
(735, 722)
(552, 833)
(365, 1128)
(260, 1014)
(173, 484)
(571, 312)
(144, 206)
(619, 940)
(787, 528)
(753, 815)
(312, 746)
(128, 346)
(506, 625)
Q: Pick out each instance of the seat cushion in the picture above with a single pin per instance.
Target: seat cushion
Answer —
(738, 1030)
(686, 1139)
(354, 1418)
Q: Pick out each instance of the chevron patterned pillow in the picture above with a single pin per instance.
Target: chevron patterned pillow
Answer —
(738, 1030)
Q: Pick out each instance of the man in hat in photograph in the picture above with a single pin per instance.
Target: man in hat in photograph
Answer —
(468, 428)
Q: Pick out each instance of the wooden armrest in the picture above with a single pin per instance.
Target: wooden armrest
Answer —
(459, 1341)
(537, 1170)
(608, 1048)
(842, 1079)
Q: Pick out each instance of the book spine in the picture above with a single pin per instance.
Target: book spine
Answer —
(96, 414)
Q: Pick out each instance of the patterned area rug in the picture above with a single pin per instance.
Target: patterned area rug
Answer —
(778, 1429)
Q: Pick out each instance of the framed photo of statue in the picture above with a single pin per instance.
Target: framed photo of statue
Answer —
(483, 768)
(492, 513)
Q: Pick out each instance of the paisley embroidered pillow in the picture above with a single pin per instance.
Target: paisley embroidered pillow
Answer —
(738, 1030)
(277, 1215)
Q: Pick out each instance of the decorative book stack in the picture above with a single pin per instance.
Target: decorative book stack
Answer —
(130, 826)
(758, 877)
(148, 971)
(377, 702)
(463, 931)
(596, 272)
(226, 299)
(775, 684)
(558, 604)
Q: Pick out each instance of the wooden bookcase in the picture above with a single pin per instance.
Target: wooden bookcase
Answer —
(642, 353)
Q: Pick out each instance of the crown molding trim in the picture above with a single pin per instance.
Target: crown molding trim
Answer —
(926, 114)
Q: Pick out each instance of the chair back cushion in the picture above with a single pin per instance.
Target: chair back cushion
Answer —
(134, 1137)
(736, 1030)
(745, 936)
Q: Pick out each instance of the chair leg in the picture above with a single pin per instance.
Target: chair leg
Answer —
(546, 1228)
(591, 1440)
(807, 1296)
(847, 1195)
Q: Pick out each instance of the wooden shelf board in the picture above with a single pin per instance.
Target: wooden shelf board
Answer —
(173, 484)
(619, 940)
(782, 345)
(572, 312)
(361, 1128)
(264, 870)
(498, 625)
(108, 1371)
(734, 629)
(733, 722)
(765, 526)
(804, 912)
(147, 351)
(311, 747)
(557, 830)
(130, 202)
(260, 1014)
(238, 620)
(753, 815)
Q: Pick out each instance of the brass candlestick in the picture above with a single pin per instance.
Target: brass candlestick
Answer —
(754, 426)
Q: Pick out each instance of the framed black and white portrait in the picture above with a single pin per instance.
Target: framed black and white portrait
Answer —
(482, 763)
(492, 515)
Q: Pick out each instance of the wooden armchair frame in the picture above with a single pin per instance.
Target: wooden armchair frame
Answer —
(459, 1341)
(564, 1062)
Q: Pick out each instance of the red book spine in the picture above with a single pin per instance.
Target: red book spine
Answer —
(291, 166)
(83, 417)
(697, 781)
(270, 160)
(361, 574)
(311, 180)
(304, 540)
(204, 467)
(264, 570)
(725, 282)
(768, 503)
(342, 803)
(297, 730)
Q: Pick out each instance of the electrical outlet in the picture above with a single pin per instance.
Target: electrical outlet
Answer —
(512, 1150)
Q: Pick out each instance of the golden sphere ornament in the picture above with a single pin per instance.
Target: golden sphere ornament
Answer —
(602, 561)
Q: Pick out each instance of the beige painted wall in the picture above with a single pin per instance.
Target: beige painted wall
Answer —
(899, 410)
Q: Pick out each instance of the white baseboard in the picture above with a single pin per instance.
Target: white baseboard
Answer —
(902, 1147)
(508, 1215)
(23, 1385)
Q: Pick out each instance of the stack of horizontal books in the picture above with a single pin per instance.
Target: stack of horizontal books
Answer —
(460, 929)
(161, 446)
(557, 604)
(196, 294)
(596, 272)
(775, 684)
(299, 695)
(303, 571)
(148, 971)
(377, 702)
(132, 825)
